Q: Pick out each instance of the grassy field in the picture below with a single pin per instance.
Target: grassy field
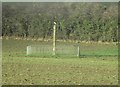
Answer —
(17, 68)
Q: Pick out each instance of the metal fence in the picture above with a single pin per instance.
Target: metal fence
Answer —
(73, 50)
(47, 50)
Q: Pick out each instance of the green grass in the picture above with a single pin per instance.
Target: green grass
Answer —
(17, 68)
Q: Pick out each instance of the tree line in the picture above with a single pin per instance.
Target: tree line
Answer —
(75, 21)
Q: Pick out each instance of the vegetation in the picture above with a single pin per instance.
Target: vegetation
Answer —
(19, 69)
(75, 21)
(30, 23)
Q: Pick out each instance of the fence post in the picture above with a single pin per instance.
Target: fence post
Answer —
(28, 50)
(78, 50)
(54, 38)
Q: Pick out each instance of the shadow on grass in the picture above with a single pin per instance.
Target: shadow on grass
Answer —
(67, 56)
(85, 56)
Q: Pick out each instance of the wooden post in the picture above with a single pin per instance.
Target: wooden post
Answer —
(78, 49)
(54, 39)
(29, 50)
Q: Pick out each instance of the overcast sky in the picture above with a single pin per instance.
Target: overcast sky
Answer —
(59, 0)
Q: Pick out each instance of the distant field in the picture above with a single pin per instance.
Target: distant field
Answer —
(18, 47)
(96, 66)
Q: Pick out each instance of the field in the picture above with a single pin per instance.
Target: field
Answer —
(97, 66)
